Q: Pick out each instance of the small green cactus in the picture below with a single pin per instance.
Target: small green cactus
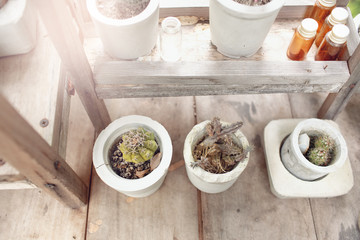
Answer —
(321, 152)
(138, 145)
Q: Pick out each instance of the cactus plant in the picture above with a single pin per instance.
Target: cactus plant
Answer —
(322, 150)
(138, 145)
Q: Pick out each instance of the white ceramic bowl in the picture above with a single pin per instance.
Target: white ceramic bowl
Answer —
(132, 187)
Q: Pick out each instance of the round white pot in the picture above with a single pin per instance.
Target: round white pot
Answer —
(239, 30)
(17, 27)
(141, 187)
(295, 162)
(127, 38)
(206, 181)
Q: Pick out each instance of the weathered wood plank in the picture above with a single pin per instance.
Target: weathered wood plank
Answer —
(249, 209)
(60, 27)
(220, 73)
(118, 91)
(171, 212)
(33, 214)
(336, 218)
(25, 149)
(30, 82)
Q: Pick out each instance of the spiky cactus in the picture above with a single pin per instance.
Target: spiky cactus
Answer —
(138, 145)
(322, 151)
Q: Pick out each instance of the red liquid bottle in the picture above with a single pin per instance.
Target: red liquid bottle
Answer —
(333, 43)
(302, 40)
(338, 16)
(321, 9)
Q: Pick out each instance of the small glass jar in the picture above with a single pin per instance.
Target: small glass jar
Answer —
(338, 16)
(170, 39)
(302, 40)
(333, 43)
(321, 9)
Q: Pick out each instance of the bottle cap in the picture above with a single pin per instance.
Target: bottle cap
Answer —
(308, 28)
(339, 33)
(171, 25)
(338, 15)
(327, 3)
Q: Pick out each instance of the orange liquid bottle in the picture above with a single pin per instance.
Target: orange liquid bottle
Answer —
(333, 43)
(338, 16)
(321, 9)
(302, 40)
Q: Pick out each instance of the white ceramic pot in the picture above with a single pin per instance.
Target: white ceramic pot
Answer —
(295, 162)
(206, 181)
(239, 30)
(141, 187)
(127, 38)
(17, 27)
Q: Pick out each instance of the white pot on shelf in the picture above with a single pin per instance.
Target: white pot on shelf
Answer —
(206, 181)
(296, 163)
(141, 187)
(239, 30)
(127, 38)
(17, 27)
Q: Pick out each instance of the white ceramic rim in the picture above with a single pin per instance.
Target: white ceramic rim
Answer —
(130, 185)
(11, 16)
(94, 12)
(322, 126)
(213, 177)
(251, 11)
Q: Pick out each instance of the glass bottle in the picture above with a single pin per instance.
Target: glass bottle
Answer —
(333, 43)
(321, 9)
(302, 40)
(170, 39)
(338, 16)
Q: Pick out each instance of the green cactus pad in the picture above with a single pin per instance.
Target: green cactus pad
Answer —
(136, 158)
(324, 142)
(151, 144)
(145, 153)
(319, 156)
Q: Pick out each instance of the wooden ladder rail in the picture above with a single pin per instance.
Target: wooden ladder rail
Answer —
(336, 102)
(61, 29)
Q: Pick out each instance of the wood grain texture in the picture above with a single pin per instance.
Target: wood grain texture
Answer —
(60, 26)
(32, 213)
(336, 218)
(335, 103)
(171, 212)
(25, 149)
(30, 83)
(249, 209)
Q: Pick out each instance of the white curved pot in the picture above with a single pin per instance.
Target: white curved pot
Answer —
(141, 187)
(127, 38)
(206, 181)
(295, 162)
(239, 30)
(17, 27)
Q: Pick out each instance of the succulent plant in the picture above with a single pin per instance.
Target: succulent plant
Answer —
(321, 152)
(138, 145)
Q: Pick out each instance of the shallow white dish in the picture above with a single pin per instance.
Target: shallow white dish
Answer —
(285, 185)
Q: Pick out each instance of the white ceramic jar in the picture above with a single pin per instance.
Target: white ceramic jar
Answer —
(141, 187)
(127, 38)
(18, 22)
(206, 181)
(239, 30)
(296, 163)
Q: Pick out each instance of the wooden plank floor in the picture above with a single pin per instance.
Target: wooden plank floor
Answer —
(248, 210)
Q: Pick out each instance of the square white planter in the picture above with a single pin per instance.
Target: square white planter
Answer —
(285, 185)
(17, 27)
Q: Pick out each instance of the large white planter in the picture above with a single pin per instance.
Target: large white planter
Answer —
(206, 181)
(295, 162)
(239, 30)
(131, 187)
(127, 38)
(17, 27)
